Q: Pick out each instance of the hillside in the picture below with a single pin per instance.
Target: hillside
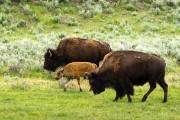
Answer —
(29, 28)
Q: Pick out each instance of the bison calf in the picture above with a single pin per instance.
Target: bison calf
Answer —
(121, 70)
(75, 70)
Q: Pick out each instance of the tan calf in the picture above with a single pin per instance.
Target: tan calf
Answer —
(75, 70)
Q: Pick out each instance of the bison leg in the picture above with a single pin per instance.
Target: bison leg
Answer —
(117, 96)
(152, 87)
(129, 90)
(129, 98)
(165, 88)
(119, 93)
(78, 81)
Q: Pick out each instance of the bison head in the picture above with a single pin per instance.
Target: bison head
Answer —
(95, 81)
(52, 60)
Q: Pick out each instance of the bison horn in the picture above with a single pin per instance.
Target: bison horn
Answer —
(86, 74)
(50, 53)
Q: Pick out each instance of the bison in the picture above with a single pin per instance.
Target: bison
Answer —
(75, 50)
(75, 70)
(121, 70)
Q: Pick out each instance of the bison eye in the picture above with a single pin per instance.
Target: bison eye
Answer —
(91, 81)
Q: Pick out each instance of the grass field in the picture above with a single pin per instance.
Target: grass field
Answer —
(44, 100)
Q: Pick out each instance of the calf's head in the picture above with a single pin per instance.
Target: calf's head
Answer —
(59, 74)
(95, 81)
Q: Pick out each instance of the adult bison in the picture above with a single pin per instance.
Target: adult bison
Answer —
(121, 70)
(75, 50)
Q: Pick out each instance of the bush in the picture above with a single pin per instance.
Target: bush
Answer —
(21, 23)
(178, 60)
(32, 31)
(77, 31)
(130, 7)
(26, 9)
(90, 8)
(170, 3)
(7, 8)
(156, 11)
(72, 22)
(50, 4)
(69, 9)
(174, 15)
(148, 1)
(178, 3)
(134, 13)
(35, 17)
(4, 19)
(56, 19)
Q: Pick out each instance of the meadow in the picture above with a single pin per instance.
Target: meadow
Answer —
(40, 99)
(28, 28)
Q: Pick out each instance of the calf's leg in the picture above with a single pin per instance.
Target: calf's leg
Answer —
(78, 81)
(65, 84)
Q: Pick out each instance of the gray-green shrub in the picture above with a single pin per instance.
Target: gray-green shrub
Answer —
(90, 8)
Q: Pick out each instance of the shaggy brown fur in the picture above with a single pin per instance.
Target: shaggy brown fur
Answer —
(75, 70)
(121, 70)
(75, 50)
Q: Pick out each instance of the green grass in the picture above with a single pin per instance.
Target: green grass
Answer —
(43, 99)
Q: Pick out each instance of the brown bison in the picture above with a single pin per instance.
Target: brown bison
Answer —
(121, 70)
(75, 70)
(75, 50)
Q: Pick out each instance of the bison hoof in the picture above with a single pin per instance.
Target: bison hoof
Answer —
(65, 90)
(143, 99)
(164, 101)
(115, 100)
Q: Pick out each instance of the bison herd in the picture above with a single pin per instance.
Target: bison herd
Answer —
(119, 70)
